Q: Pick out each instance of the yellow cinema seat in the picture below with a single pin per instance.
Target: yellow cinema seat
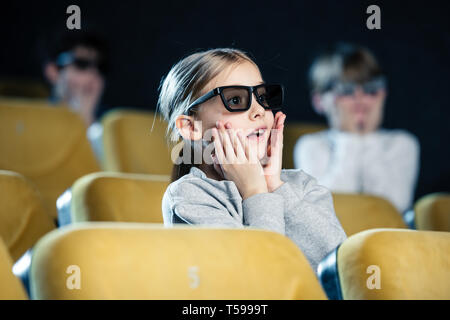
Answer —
(359, 212)
(11, 288)
(47, 145)
(292, 132)
(144, 261)
(395, 264)
(389, 264)
(110, 196)
(23, 87)
(134, 142)
(23, 219)
(432, 212)
(26, 102)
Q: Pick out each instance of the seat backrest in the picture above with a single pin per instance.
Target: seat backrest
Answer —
(292, 132)
(47, 145)
(11, 287)
(143, 261)
(359, 212)
(395, 264)
(24, 101)
(23, 219)
(134, 142)
(432, 212)
(23, 87)
(119, 197)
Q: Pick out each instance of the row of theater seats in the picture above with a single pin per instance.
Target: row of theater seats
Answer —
(49, 155)
(137, 198)
(106, 260)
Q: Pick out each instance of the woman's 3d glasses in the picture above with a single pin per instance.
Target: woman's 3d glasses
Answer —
(372, 87)
(68, 58)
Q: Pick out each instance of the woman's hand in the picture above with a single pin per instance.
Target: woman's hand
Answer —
(84, 96)
(237, 162)
(272, 170)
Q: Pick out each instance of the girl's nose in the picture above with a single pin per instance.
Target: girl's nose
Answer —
(256, 110)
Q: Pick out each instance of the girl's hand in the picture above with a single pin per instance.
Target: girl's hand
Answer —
(272, 170)
(237, 162)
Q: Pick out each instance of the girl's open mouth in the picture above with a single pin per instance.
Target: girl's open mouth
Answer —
(258, 135)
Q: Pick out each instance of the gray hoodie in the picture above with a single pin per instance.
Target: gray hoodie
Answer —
(300, 209)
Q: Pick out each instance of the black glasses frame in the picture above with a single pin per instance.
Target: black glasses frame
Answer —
(252, 90)
(370, 87)
(68, 58)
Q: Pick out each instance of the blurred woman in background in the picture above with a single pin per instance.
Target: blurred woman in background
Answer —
(356, 155)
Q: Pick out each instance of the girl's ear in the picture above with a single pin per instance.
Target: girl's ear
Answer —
(188, 128)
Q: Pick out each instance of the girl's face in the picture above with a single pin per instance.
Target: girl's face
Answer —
(246, 74)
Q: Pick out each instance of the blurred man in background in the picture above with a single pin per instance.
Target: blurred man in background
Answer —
(76, 67)
(356, 155)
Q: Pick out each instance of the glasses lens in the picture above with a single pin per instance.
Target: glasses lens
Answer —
(348, 88)
(270, 96)
(345, 89)
(82, 64)
(236, 98)
(373, 87)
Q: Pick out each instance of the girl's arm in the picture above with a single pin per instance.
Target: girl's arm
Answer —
(309, 215)
(199, 203)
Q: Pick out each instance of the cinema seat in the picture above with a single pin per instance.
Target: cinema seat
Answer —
(11, 288)
(359, 212)
(23, 219)
(389, 264)
(145, 261)
(24, 102)
(293, 131)
(134, 142)
(111, 196)
(432, 212)
(47, 145)
(23, 87)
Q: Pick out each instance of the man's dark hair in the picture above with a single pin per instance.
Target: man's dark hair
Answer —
(343, 62)
(68, 40)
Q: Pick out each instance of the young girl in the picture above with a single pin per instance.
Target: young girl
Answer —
(220, 94)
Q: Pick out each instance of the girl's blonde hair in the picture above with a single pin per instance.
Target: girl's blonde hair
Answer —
(185, 82)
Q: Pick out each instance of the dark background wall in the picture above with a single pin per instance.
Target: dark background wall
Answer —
(147, 37)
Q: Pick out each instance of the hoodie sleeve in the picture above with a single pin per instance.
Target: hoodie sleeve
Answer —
(309, 216)
(195, 202)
